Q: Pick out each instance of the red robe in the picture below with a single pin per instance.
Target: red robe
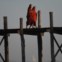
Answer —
(34, 17)
(31, 17)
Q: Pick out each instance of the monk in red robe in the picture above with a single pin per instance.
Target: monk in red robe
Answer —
(34, 16)
(31, 16)
(29, 11)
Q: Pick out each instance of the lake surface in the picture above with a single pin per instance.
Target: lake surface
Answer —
(30, 61)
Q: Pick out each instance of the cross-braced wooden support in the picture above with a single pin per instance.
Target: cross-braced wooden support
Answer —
(0, 53)
(32, 31)
(6, 41)
(53, 39)
(59, 46)
(5, 38)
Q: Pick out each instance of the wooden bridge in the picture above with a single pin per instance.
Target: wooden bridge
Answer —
(32, 31)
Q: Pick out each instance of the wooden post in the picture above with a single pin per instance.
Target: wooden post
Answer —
(51, 37)
(39, 39)
(6, 40)
(22, 40)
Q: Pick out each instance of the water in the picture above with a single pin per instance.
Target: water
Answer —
(27, 61)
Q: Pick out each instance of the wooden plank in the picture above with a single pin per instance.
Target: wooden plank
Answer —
(6, 40)
(33, 31)
(22, 40)
(39, 36)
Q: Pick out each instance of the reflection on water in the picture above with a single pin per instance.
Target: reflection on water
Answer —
(29, 61)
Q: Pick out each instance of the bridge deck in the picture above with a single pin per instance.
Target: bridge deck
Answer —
(33, 31)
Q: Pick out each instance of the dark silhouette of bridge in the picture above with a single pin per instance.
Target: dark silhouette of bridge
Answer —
(31, 31)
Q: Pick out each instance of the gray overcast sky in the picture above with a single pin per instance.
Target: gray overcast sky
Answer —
(14, 9)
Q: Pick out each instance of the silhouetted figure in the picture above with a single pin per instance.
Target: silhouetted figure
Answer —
(31, 16)
(28, 15)
(34, 16)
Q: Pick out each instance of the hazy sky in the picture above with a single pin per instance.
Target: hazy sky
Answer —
(14, 9)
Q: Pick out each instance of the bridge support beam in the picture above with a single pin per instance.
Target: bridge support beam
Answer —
(6, 40)
(51, 37)
(22, 40)
(39, 36)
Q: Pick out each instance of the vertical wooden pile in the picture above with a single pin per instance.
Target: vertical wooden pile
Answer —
(6, 40)
(51, 37)
(39, 39)
(22, 40)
